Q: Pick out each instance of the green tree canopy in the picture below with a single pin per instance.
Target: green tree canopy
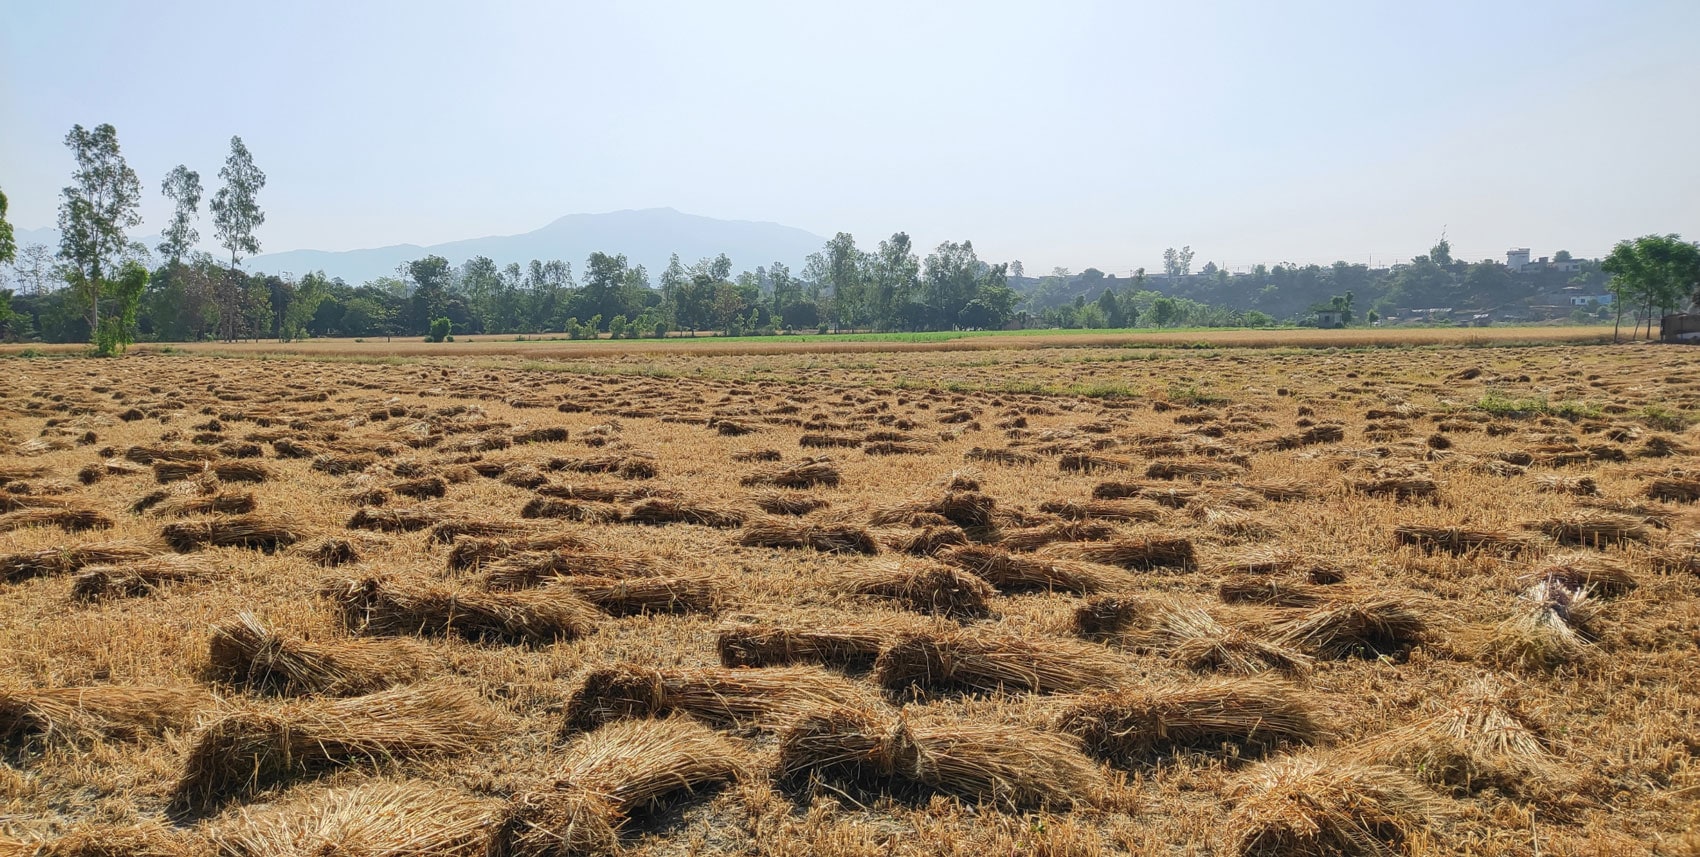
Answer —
(94, 212)
(236, 208)
(1441, 252)
(123, 292)
(1654, 271)
(236, 214)
(8, 244)
(183, 187)
(1163, 311)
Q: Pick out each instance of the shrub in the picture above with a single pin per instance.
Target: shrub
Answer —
(440, 331)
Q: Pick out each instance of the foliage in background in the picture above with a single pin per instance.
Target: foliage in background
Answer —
(95, 209)
(122, 293)
(8, 244)
(236, 214)
(841, 288)
(8, 253)
(440, 331)
(1653, 271)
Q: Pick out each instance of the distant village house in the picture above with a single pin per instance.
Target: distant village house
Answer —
(1517, 259)
(1330, 318)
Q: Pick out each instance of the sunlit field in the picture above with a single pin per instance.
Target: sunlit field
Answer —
(1428, 592)
(548, 345)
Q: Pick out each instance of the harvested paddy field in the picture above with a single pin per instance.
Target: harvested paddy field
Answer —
(1047, 600)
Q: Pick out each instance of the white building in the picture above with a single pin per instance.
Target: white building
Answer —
(1516, 259)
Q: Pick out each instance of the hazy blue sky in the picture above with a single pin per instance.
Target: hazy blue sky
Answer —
(1058, 133)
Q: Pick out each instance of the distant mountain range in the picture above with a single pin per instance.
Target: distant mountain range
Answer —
(646, 236)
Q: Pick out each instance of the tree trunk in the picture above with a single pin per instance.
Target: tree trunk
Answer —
(227, 306)
(94, 302)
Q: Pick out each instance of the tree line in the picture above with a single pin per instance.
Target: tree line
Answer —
(98, 280)
(98, 286)
(1645, 275)
(1653, 272)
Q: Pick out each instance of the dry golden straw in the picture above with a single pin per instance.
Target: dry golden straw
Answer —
(1362, 628)
(1317, 806)
(377, 605)
(764, 699)
(925, 541)
(244, 531)
(609, 775)
(1106, 510)
(221, 503)
(1023, 573)
(245, 652)
(805, 474)
(54, 561)
(395, 520)
(1585, 569)
(377, 819)
(332, 552)
(1594, 528)
(1005, 766)
(929, 588)
(657, 511)
(631, 465)
(1482, 739)
(524, 570)
(96, 711)
(469, 554)
(1135, 725)
(225, 471)
(1458, 540)
(1552, 626)
(979, 663)
(642, 595)
(773, 646)
(252, 748)
(570, 510)
(773, 532)
(135, 579)
(69, 520)
(966, 509)
(1269, 591)
(1135, 554)
(788, 502)
(148, 839)
(448, 532)
(1034, 538)
(1108, 615)
(1196, 639)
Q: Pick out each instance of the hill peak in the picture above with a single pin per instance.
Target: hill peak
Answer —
(645, 236)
